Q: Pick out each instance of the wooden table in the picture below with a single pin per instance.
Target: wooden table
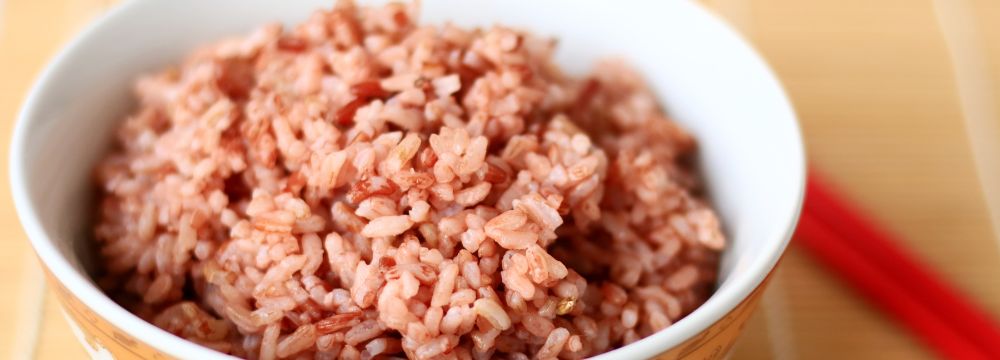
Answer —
(898, 102)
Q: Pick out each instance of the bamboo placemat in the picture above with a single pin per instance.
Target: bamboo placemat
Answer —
(898, 106)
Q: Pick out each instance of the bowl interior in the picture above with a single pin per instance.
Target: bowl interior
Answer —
(709, 80)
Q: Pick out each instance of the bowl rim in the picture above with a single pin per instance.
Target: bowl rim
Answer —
(81, 287)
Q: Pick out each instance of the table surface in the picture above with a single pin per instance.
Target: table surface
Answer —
(898, 105)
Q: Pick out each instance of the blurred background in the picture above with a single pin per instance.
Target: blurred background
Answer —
(898, 105)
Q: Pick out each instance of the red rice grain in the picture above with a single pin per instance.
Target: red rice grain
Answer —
(362, 186)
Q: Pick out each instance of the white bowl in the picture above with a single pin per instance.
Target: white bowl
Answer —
(709, 79)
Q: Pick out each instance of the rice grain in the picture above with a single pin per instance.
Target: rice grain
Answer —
(364, 186)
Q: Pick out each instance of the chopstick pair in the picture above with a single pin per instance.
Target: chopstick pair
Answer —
(871, 260)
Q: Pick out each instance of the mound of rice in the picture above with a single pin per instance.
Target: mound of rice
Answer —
(362, 186)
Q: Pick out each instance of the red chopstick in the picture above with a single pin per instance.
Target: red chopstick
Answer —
(834, 220)
(894, 259)
(884, 291)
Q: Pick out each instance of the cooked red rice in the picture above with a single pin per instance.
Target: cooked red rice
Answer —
(363, 186)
